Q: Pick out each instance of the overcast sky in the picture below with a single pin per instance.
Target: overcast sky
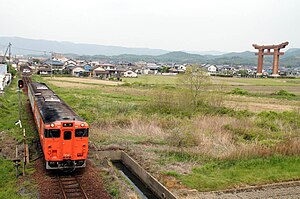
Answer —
(192, 25)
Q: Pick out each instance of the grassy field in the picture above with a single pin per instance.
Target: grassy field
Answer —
(158, 79)
(257, 81)
(10, 136)
(239, 173)
(208, 146)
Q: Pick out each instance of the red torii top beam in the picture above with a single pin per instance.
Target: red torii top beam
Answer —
(282, 45)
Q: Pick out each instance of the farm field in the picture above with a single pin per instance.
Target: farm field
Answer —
(65, 80)
(231, 138)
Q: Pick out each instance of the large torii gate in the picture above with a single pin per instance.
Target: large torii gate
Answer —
(276, 52)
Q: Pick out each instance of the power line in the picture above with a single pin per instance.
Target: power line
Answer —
(28, 49)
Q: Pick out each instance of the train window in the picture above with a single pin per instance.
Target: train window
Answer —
(67, 135)
(52, 133)
(81, 132)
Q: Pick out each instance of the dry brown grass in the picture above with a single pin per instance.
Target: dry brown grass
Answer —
(258, 104)
(208, 136)
(243, 151)
(128, 130)
(71, 84)
(82, 80)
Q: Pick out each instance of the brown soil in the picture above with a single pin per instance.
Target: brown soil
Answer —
(8, 146)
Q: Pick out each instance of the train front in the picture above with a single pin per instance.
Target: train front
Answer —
(66, 144)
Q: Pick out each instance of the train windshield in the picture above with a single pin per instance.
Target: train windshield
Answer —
(52, 133)
(81, 132)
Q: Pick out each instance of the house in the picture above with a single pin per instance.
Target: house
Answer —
(76, 70)
(94, 63)
(70, 65)
(108, 66)
(151, 68)
(100, 72)
(130, 73)
(112, 70)
(44, 69)
(55, 64)
(81, 62)
(4, 80)
(59, 57)
(88, 69)
(70, 62)
(182, 68)
(212, 69)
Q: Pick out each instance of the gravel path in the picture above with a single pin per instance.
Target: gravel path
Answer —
(290, 190)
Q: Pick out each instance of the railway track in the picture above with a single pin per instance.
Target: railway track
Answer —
(27, 80)
(71, 187)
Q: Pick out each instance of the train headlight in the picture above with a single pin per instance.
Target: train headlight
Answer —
(82, 124)
(52, 125)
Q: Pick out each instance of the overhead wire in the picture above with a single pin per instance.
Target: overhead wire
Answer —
(28, 49)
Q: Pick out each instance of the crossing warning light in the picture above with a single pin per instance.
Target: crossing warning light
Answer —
(20, 83)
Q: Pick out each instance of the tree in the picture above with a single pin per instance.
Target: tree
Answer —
(194, 80)
(243, 73)
(11, 70)
(164, 69)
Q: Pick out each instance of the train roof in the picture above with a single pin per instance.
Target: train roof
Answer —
(51, 107)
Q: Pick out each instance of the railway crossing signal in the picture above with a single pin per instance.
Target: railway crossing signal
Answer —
(20, 83)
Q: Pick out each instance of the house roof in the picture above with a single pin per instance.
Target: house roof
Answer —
(99, 69)
(73, 67)
(54, 62)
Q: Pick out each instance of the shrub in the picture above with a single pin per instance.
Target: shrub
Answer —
(284, 93)
(239, 91)
(182, 136)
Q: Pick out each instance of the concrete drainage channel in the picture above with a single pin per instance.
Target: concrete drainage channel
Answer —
(143, 182)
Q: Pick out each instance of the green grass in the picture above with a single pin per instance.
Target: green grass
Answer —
(216, 175)
(280, 94)
(172, 80)
(8, 181)
(9, 114)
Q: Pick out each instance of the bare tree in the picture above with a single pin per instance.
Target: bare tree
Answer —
(194, 80)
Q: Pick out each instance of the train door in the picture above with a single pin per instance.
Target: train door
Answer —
(67, 148)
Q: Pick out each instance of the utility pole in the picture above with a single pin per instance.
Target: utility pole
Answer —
(51, 63)
(9, 53)
(26, 152)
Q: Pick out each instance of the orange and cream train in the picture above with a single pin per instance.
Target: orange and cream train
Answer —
(63, 134)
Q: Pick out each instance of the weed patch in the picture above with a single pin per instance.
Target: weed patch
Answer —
(239, 91)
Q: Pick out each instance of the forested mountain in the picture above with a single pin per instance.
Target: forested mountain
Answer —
(291, 58)
(23, 46)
